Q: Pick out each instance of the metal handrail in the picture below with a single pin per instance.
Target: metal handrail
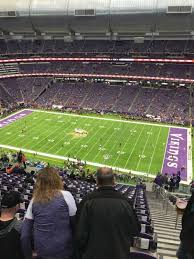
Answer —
(165, 194)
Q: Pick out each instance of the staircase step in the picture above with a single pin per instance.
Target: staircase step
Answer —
(164, 225)
(163, 236)
(166, 252)
(168, 237)
(168, 241)
(163, 218)
(168, 246)
(166, 222)
(164, 232)
(176, 231)
(169, 257)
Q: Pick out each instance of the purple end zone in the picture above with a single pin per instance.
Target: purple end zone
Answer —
(176, 153)
(13, 118)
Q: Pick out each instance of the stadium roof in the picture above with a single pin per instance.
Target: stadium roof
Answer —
(110, 19)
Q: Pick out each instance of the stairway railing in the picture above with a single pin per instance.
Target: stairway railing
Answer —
(169, 199)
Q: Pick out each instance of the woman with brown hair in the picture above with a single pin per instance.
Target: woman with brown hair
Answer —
(48, 219)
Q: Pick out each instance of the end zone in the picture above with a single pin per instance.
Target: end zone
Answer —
(14, 117)
(178, 155)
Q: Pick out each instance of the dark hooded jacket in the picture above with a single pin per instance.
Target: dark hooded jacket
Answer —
(10, 239)
(106, 223)
(187, 233)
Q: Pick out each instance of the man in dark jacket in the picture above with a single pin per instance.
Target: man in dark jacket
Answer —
(10, 227)
(186, 249)
(106, 222)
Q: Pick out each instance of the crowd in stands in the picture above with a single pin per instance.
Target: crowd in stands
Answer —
(169, 182)
(148, 47)
(153, 101)
(165, 104)
(115, 68)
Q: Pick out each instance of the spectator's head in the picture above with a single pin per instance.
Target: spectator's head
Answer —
(48, 184)
(105, 177)
(192, 188)
(10, 203)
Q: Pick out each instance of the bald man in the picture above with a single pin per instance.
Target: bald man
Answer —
(106, 221)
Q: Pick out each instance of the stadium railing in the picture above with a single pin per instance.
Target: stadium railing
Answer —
(170, 200)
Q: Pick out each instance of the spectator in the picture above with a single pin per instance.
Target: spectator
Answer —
(106, 221)
(49, 215)
(90, 178)
(178, 179)
(158, 180)
(21, 159)
(10, 227)
(172, 183)
(186, 249)
(166, 181)
(30, 178)
(192, 186)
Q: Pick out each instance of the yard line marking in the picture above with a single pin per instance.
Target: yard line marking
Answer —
(89, 150)
(48, 136)
(79, 140)
(37, 129)
(60, 140)
(144, 149)
(154, 150)
(104, 143)
(134, 146)
(125, 144)
(41, 121)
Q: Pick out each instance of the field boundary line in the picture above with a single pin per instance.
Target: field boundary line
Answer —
(108, 119)
(189, 156)
(154, 150)
(165, 150)
(75, 160)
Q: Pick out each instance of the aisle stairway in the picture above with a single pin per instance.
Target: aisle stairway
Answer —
(164, 226)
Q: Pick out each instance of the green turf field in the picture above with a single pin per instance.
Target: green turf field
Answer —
(135, 146)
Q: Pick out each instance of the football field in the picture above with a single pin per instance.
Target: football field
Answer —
(126, 145)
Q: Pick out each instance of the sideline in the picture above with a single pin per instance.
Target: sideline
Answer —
(75, 160)
(108, 119)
